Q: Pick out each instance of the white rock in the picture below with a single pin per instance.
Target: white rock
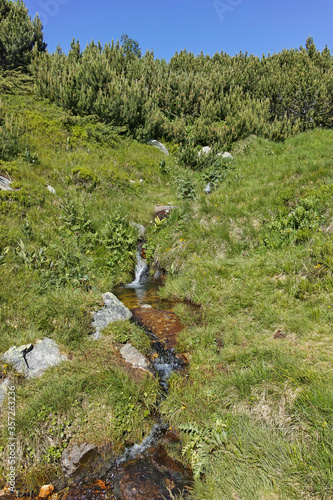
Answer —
(5, 184)
(132, 356)
(205, 150)
(225, 155)
(140, 228)
(51, 189)
(71, 456)
(34, 360)
(113, 310)
(158, 145)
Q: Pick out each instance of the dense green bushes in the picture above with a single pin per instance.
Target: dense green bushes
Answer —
(193, 100)
(19, 35)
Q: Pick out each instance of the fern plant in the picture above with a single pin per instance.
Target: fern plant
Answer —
(203, 443)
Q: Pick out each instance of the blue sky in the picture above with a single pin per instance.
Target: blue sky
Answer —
(255, 26)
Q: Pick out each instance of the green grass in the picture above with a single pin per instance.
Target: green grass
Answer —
(255, 409)
(272, 393)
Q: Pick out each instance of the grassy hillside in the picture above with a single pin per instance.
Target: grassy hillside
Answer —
(59, 253)
(255, 408)
(257, 257)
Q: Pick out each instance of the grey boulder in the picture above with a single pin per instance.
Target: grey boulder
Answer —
(72, 457)
(140, 228)
(132, 356)
(208, 188)
(205, 151)
(5, 184)
(158, 145)
(226, 155)
(34, 360)
(113, 310)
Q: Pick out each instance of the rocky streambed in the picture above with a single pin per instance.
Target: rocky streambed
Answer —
(145, 471)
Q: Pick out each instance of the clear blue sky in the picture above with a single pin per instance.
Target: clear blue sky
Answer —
(255, 26)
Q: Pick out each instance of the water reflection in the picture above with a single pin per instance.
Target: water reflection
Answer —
(147, 293)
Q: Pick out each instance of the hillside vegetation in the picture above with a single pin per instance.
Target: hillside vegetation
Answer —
(255, 406)
(192, 100)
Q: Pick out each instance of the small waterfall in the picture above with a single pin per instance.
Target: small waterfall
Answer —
(141, 270)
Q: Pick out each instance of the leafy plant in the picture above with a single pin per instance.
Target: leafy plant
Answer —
(118, 238)
(33, 258)
(84, 178)
(295, 225)
(217, 172)
(75, 216)
(186, 187)
(203, 442)
(30, 157)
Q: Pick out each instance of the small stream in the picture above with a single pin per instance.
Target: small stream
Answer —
(143, 290)
(145, 471)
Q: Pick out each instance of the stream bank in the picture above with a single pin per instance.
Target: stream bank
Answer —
(145, 470)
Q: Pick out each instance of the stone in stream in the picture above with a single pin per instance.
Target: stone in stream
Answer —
(164, 324)
(132, 356)
(46, 491)
(140, 228)
(113, 310)
(71, 456)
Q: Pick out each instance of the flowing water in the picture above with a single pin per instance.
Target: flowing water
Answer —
(145, 470)
(141, 271)
(144, 291)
